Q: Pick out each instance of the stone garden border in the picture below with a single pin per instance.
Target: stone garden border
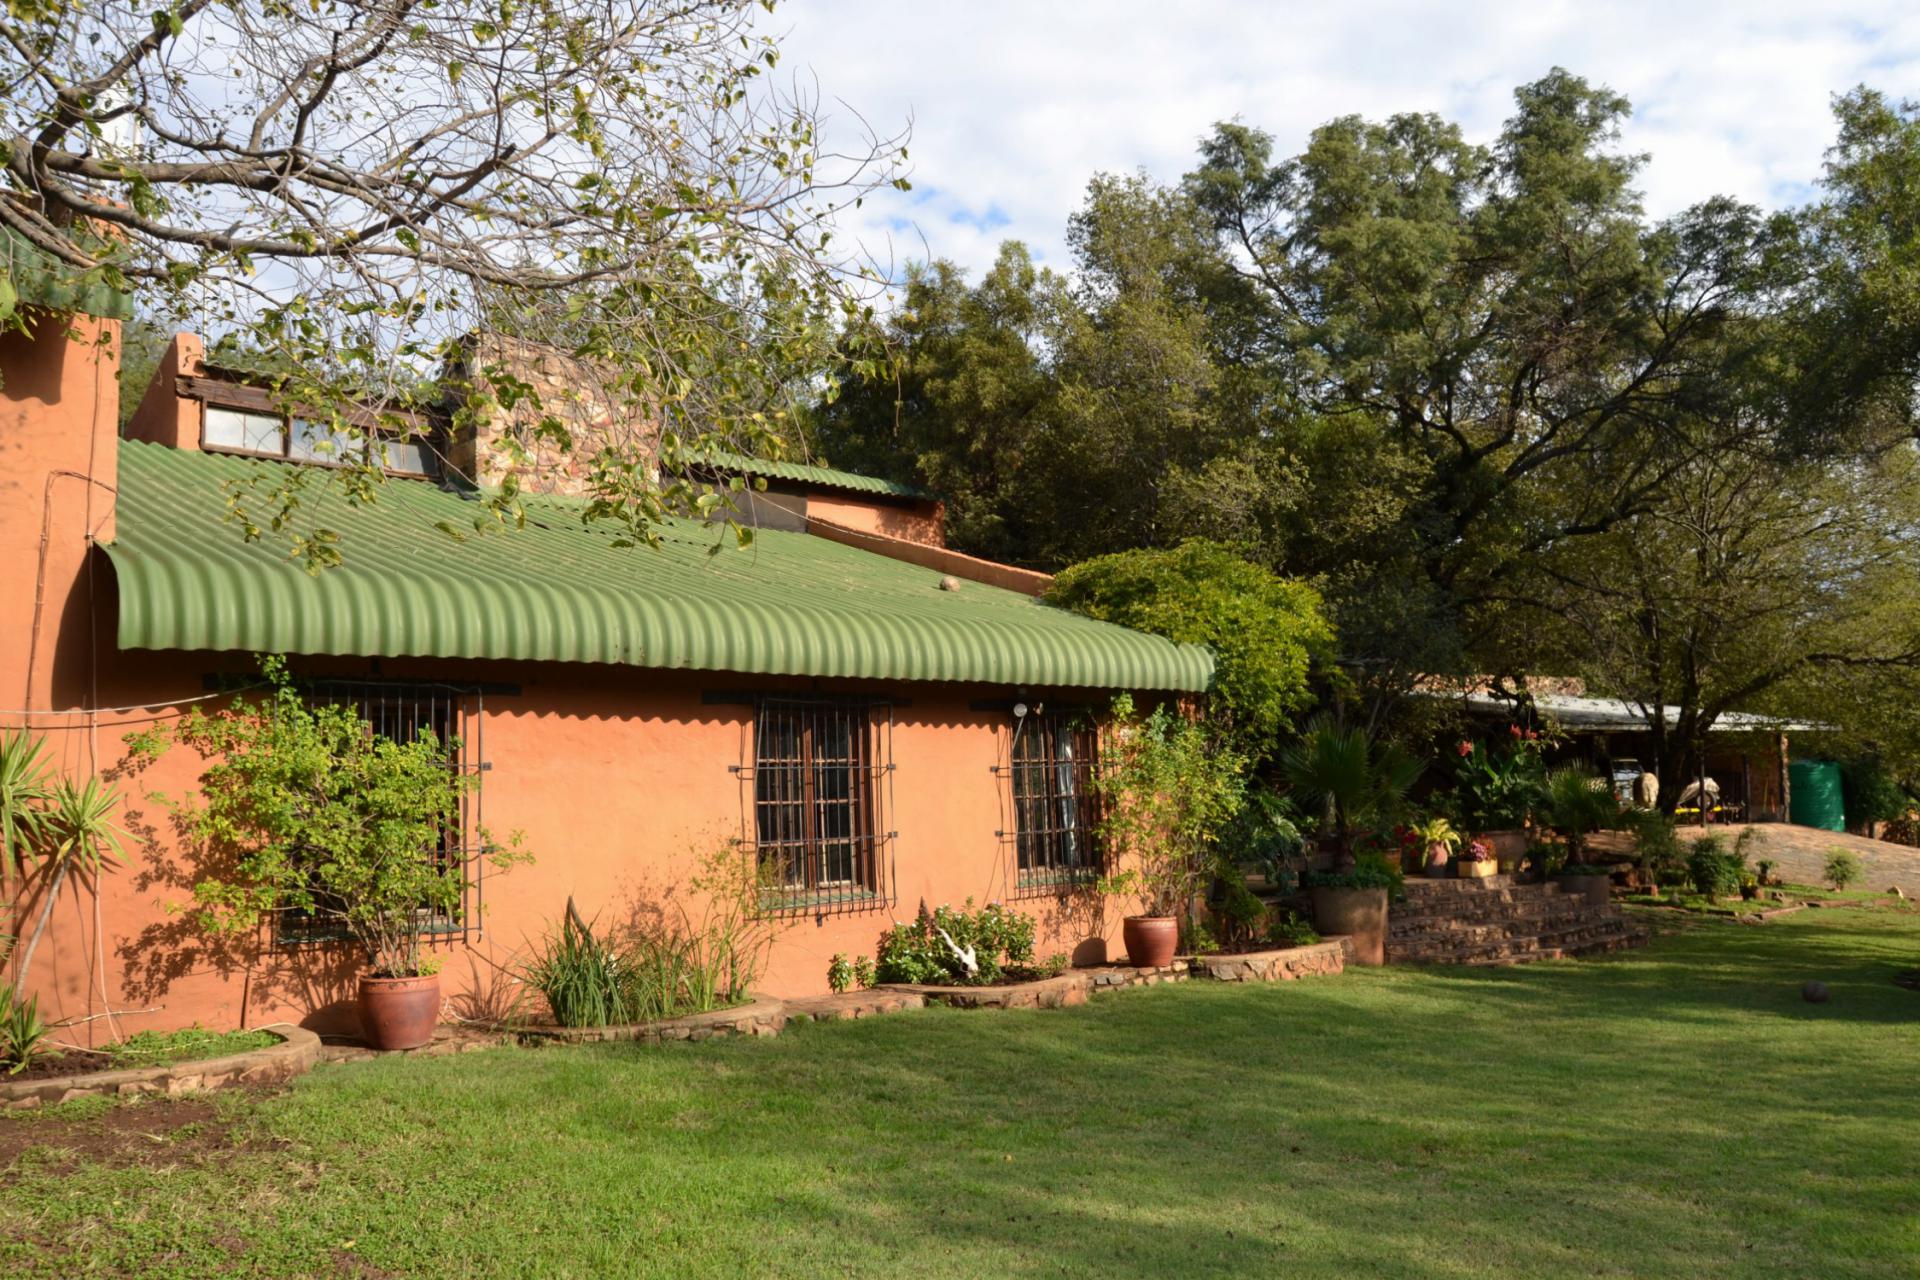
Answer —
(298, 1049)
(1327, 956)
(762, 1016)
(294, 1055)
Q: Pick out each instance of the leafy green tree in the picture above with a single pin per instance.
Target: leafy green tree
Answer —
(306, 809)
(1750, 582)
(965, 409)
(1267, 632)
(354, 188)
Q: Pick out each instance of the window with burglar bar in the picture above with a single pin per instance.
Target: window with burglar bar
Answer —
(406, 713)
(816, 812)
(1055, 804)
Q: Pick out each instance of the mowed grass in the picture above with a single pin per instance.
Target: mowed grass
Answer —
(1678, 1111)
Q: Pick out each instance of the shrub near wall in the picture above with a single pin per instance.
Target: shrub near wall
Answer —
(1267, 632)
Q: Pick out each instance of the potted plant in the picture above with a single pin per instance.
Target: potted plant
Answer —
(1359, 786)
(1476, 861)
(1437, 840)
(1353, 904)
(1594, 883)
(306, 810)
(1168, 795)
(1497, 790)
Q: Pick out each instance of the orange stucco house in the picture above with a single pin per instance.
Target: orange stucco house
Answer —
(842, 701)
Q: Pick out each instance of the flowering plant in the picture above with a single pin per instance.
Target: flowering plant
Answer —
(1477, 850)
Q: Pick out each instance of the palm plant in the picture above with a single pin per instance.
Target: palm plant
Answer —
(23, 789)
(78, 838)
(1577, 804)
(1358, 784)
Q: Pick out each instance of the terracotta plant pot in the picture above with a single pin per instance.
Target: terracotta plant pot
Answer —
(399, 1013)
(1436, 864)
(1359, 914)
(1150, 940)
(1595, 889)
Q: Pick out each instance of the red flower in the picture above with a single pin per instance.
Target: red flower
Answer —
(1514, 729)
(1465, 748)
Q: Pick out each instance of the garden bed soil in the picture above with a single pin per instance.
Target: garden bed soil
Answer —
(79, 1062)
(293, 1053)
(155, 1132)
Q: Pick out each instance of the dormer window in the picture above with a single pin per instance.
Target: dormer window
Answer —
(269, 435)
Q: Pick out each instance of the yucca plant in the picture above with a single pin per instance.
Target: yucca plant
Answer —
(78, 838)
(22, 1033)
(23, 790)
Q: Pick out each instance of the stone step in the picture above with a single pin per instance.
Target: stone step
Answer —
(1463, 932)
(1400, 922)
(1602, 946)
(1612, 934)
(1515, 896)
(1522, 952)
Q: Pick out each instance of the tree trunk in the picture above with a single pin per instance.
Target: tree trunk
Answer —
(40, 926)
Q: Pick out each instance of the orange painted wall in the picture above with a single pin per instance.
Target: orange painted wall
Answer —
(915, 522)
(619, 778)
(164, 416)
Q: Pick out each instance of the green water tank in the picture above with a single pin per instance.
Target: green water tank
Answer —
(1816, 794)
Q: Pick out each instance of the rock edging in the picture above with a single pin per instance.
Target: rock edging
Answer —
(1285, 964)
(295, 1054)
(763, 1016)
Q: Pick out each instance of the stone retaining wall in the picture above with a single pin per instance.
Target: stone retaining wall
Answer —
(1284, 965)
(296, 1053)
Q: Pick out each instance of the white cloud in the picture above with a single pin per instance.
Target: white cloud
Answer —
(1016, 105)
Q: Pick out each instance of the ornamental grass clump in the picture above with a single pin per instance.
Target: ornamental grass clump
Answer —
(581, 975)
(678, 963)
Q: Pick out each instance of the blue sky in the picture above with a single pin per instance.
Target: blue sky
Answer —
(1015, 105)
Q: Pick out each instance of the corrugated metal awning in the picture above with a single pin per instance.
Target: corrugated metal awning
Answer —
(559, 590)
(806, 474)
(39, 279)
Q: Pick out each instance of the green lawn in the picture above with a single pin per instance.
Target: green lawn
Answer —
(1677, 1111)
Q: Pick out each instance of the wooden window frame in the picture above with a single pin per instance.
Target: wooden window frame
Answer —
(794, 844)
(1049, 854)
(242, 398)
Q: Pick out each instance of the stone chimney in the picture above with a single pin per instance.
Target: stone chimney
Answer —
(497, 372)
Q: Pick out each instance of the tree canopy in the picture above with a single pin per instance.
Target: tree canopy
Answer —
(1446, 380)
(353, 186)
(1267, 632)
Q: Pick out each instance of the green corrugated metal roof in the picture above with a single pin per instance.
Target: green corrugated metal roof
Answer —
(39, 279)
(561, 591)
(802, 473)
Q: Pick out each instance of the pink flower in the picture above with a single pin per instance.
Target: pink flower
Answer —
(1514, 730)
(1465, 748)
